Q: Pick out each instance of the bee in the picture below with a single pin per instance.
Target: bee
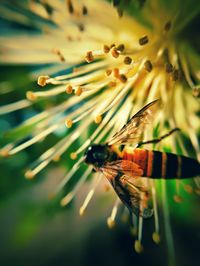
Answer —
(126, 170)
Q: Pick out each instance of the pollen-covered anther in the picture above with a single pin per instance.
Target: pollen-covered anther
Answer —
(112, 84)
(168, 26)
(178, 199)
(110, 222)
(148, 66)
(98, 119)
(156, 237)
(84, 10)
(4, 152)
(70, 6)
(122, 78)
(81, 211)
(78, 91)
(143, 40)
(56, 158)
(120, 48)
(106, 49)
(108, 72)
(29, 174)
(68, 123)
(31, 96)
(168, 67)
(42, 80)
(116, 72)
(73, 155)
(115, 52)
(188, 188)
(69, 89)
(138, 246)
(89, 57)
(127, 60)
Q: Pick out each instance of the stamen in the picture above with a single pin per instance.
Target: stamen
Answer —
(78, 91)
(69, 89)
(115, 52)
(42, 80)
(167, 26)
(155, 236)
(98, 119)
(8, 108)
(70, 7)
(143, 40)
(120, 48)
(84, 10)
(89, 57)
(148, 66)
(68, 123)
(31, 96)
(111, 218)
(122, 78)
(90, 194)
(127, 60)
(106, 49)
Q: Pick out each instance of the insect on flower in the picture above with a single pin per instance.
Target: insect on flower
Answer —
(125, 170)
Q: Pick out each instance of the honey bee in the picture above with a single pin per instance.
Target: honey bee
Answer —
(126, 170)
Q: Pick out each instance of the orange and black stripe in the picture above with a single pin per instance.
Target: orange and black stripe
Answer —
(157, 164)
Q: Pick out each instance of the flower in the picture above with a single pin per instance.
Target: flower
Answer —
(104, 67)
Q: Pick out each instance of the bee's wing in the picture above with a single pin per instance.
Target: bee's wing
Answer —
(132, 131)
(132, 191)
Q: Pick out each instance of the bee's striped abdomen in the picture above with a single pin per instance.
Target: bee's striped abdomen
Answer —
(157, 164)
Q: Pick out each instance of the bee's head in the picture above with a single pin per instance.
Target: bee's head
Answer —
(97, 154)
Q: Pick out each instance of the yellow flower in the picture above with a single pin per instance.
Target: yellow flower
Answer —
(104, 68)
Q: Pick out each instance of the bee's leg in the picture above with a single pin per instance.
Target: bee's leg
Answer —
(158, 139)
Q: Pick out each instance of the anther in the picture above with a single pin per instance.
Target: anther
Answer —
(78, 91)
(116, 72)
(4, 152)
(56, 158)
(120, 48)
(122, 78)
(148, 66)
(73, 156)
(70, 6)
(89, 57)
(168, 67)
(29, 174)
(156, 237)
(31, 96)
(112, 84)
(68, 123)
(81, 211)
(115, 53)
(84, 10)
(98, 119)
(127, 60)
(138, 246)
(188, 188)
(110, 222)
(178, 199)
(106, 49)
(196, 91)
(108, 72)
(69, 89)
(143, 40)
(42, 80)
(167, 26)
